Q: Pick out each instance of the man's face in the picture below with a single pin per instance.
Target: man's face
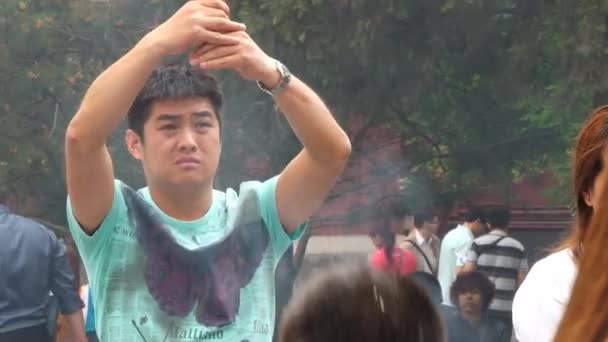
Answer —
(479, 227)
(181, 146)
(432, 225)
(470, 302)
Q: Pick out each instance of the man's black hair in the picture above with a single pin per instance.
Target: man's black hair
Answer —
(473, 214)
(469, 281)
(498, 217)
(174, 81)
(422, 216)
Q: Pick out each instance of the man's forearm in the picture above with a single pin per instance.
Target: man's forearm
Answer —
(75, 323)
(313, 123)
(109, 97)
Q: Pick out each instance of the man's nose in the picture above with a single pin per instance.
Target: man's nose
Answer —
(187, 141)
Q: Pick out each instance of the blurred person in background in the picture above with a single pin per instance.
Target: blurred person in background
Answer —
(33, 264)
(389, 257)
(423, 241)
(454, 247)
(501, 258)
(472, 293)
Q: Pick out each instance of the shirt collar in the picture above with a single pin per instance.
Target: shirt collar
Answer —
(498, 232)
(466, 230)
(419, 238)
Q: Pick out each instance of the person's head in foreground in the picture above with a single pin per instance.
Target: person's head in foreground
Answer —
(472, 293)
(587, 312)
(358, 304)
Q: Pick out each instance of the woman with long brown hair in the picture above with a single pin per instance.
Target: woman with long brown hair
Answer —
(540, 302)
(586, 316)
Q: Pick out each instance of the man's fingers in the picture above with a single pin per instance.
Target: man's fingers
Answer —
(217, 4)
(218, 31)
(221, 25)
(214, 53)
(217, 38)
(225, 62)
(201, 50)
(214, 13)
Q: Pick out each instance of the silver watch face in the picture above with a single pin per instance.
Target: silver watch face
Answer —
(283, 82)
(283, 69)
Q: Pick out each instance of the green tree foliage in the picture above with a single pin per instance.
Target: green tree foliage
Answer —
(476, 91)
(480, 91)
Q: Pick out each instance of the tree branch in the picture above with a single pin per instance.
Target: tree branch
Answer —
(414, 128)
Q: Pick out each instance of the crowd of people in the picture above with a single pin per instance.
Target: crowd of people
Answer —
(180, 261)
(477, 268)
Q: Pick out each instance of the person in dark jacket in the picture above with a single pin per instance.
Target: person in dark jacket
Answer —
(33, 264)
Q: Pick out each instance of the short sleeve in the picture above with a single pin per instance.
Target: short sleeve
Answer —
(472, 254)
(523, 266)
(90, 246)
(462, 252)
(267, 196)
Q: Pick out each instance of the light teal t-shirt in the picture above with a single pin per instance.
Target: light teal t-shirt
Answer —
(157, 279)
(455, 245)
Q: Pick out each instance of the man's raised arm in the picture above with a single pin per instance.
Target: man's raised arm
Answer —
(305, 182)
(89, 172)
(308, 178)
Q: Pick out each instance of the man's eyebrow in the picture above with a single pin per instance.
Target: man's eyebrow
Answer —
(168, 117)
(203, 114)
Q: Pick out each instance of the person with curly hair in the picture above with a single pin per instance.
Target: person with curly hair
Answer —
(472, 293)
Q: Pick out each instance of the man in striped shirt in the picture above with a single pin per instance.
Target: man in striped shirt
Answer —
(502, 259)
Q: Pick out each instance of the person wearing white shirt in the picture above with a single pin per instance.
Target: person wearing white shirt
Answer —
(454, 247)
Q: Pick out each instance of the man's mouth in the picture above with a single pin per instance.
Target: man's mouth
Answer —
(187, 161)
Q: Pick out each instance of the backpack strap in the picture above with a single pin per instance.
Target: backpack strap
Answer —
(426, 259)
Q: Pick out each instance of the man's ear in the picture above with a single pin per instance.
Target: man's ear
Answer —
(134, 144)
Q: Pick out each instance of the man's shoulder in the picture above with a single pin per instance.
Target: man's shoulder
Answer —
(458, 236)
(488, 238)
(32, 226)
(514, 243)
(24, 227)
(452, 233)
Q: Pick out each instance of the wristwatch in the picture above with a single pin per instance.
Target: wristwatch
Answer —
(283, 82)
